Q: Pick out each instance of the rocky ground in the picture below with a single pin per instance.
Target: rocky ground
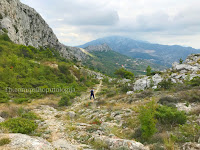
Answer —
(109, 122)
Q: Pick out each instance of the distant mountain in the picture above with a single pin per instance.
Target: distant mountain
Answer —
(101, 48)
(160, 54)
(105, 60)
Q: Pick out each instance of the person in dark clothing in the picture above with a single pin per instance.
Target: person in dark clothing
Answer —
(92, 94)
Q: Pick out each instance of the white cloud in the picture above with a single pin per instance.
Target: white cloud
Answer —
(160, 21)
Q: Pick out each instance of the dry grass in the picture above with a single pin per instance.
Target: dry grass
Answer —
(50, 100)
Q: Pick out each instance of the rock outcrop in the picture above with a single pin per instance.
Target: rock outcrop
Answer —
(190, 146)
(22, 142)
(116, 143)
(147, 82)
(25, 26)
(178, 73)
(188, 70)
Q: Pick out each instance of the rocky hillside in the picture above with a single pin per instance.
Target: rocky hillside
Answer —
(25, 26)
(179, 73)
(160, 54)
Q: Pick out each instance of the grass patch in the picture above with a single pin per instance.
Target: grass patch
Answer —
(4, 141)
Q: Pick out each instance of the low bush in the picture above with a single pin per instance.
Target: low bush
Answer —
(147, 120)
(19, 125)
(168, 115)
(125, 88)
(3, 97)
(188, 133)
(29, 115)
(21, 100)
(195, 81)
(143, 94)
(1, 17)
(111, 93)
(190, 96)
(65, 101)
(4, 141)
(165, 84)
(105, 80)
(168, 101)
(99, 144)
(123, 73)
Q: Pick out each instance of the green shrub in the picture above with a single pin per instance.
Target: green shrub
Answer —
(3, 97)
(168, 101)
(5, 30)
(148, 71)
(26, 52)
(125, 88)
(19, 125)
(1, 17)
(180, 61)
(4, 141)
(4, 114)
(82, 79)
(21, 100)
(189, 132)
(147, 120)
(29, 115)
(16, 29)
(105, 80)
(168, 115)
(165, 84)
(64, 68)
(143, 94)
(111, 93)
(65, 101)
(4, 36)
(123, 73)
(195, 81)
(191, 96)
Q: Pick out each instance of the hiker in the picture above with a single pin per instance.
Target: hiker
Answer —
(92, 94)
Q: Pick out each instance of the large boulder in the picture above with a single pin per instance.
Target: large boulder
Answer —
(24, 142)
(146, 82)
(117, 143)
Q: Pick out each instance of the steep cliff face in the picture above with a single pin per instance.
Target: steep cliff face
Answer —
(25, 26)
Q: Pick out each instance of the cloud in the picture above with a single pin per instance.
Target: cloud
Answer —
(79, 21)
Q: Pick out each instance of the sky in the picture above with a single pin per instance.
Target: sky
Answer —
(76, 22)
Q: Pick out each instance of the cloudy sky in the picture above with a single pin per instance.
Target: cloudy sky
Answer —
(76, 22)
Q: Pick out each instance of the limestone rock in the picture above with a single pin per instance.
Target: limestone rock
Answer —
(71, 114)
(129, 92)
(145, 82)
(190, 146)
(116, 143)
(25, 26)
(24, 142)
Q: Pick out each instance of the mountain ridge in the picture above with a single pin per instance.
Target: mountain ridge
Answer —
(160, 54)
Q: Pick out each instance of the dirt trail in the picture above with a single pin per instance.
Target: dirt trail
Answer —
(85, 97)
(56, 125)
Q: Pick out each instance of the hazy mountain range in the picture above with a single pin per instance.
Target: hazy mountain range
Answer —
(160, 54)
